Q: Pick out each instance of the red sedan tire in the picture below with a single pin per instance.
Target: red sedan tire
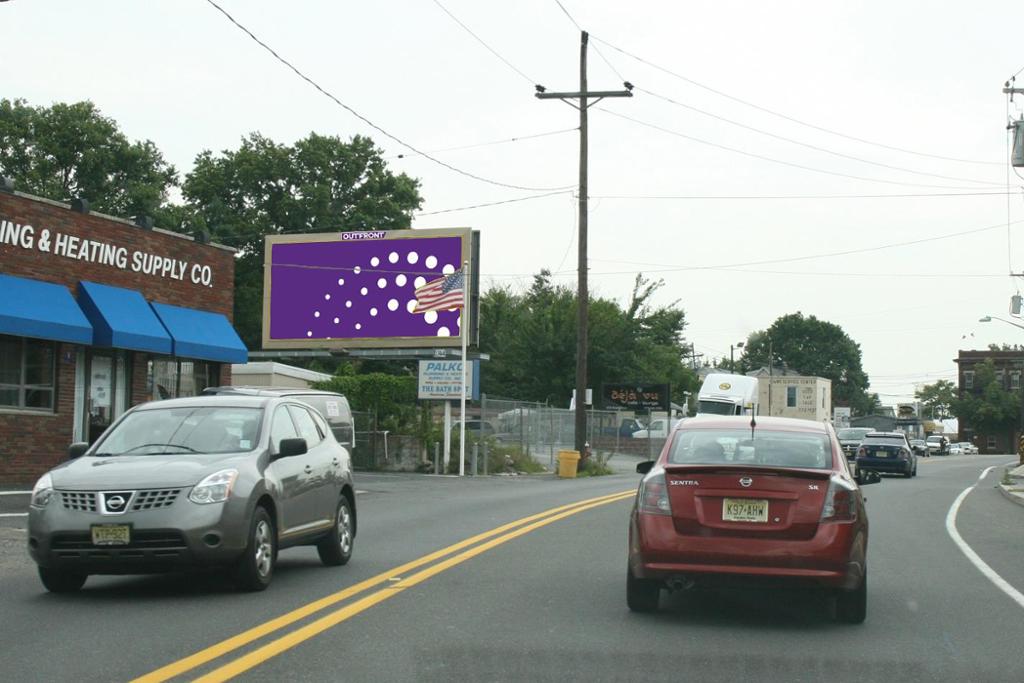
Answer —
(852, 606)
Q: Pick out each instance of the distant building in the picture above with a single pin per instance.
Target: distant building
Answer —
(1009, 365)
(784, 393)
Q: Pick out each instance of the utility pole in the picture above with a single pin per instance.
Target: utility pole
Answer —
(582, 295)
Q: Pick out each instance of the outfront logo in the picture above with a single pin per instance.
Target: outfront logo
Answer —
(725, 386)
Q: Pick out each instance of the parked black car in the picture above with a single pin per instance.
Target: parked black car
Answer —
(887, 452)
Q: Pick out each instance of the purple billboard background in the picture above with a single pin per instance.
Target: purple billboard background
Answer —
(359, 289)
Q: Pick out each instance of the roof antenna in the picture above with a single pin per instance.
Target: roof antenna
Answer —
(753, 424)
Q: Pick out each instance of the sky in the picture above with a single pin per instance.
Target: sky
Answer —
(728, 174)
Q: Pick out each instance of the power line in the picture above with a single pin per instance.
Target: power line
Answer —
(485, 204)
(596, 49)
(787, 117)
(482, 42)
(808, 145)
(367, 121)
(773, 160)
(799, 196)
(503, 141)
(791, 259)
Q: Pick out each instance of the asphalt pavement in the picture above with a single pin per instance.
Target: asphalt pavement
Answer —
(545, 603)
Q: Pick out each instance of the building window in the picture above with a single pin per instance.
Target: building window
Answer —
(1001, 379)
(1015, 380)
(991, 442)
(968, 379)
(27, 371)
(173, 378)
(791, 397)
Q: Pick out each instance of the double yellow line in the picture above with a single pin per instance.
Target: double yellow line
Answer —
(395, 582)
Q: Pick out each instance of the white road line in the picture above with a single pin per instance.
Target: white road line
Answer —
(13, 514)
(981, 565)
(15, 493)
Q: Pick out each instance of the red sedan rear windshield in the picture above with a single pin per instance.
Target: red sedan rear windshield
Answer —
(764, 447)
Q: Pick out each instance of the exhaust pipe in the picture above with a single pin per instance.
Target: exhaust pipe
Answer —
(680, 583)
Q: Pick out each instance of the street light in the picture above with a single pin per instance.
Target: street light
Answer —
(990, 318)
(732, 363)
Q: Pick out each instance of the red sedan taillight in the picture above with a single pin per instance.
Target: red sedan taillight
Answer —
(839, 503)
(653, 497)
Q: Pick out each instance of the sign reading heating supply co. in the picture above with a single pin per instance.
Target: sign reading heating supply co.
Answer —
(442, 379)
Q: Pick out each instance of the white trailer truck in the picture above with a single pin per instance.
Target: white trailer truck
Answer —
(724, 394)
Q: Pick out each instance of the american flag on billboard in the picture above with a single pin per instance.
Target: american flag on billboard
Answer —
(441, 294)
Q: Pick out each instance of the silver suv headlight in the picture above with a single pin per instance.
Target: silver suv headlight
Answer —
(215, 488)
(42, 492)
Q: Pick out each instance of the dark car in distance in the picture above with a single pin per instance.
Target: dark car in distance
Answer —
(206, 481)
(887, 452)
(731, 502)
(850, 438)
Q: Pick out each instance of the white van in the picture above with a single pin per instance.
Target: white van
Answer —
(725, 394)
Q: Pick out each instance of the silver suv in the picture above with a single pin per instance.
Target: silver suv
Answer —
(211, 480)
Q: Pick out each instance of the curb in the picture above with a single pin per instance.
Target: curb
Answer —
(1012, 496)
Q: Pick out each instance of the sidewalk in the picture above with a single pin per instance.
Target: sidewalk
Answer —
(1015, 491)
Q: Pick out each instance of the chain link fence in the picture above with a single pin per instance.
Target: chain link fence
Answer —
(536, 430)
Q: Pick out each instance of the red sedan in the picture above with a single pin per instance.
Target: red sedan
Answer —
(735, 500)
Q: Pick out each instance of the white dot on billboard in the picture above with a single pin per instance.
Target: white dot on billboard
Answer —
(348, 304)
(373, 312)
(316, 314)
(411, 305)
(458, 322)
(375, 262)
(327, 297)
(413, 257)
(337, 320)
(359, 326)
(401, 280)
(430, 317)
(393, 305)
(357, 270)
(431, 262)
(393, 257)
(341, 281)
(382, 283)
(443, 332)
(448, 269)
(419, 282)
(363, 291)
(309, 333)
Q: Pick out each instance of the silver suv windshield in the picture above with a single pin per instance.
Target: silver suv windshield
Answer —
(172, 431)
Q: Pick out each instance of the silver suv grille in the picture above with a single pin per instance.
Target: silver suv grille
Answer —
(79, 500)
(156, 498)
(85, 501)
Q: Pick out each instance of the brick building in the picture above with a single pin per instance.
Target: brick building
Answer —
(98, 314)
(1008, 366)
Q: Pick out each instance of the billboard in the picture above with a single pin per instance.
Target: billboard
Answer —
(442, 379)
(359, 289)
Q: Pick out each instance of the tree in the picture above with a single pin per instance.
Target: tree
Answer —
(816, 348)
(989, 408)
(937, 399)
(71, 150)
(319, 184)
(531, 339)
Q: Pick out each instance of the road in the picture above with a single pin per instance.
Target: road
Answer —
(540, 600)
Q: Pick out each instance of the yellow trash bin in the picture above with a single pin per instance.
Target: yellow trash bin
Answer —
(567, 461)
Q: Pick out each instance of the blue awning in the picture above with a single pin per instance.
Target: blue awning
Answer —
(30, 308)
(201, 334)
(122, 318)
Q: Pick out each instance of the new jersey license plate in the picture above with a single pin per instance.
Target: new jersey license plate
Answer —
(111, 534)
(744, 510)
